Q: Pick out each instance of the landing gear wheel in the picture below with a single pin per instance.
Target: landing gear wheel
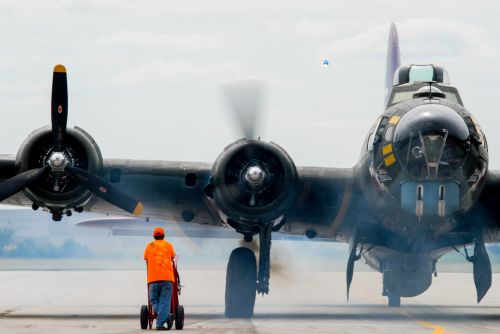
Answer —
(394, 300)
(179, 317)
(241, 280)
(144, 317)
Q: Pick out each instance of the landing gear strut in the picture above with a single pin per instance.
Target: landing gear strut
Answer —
(264, 259)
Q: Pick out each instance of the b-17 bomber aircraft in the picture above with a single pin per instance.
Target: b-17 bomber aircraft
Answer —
(420, 189)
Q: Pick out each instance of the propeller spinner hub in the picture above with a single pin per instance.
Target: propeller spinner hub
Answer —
(58, 161)
(255, 176)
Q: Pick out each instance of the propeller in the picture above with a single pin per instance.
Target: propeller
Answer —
(59, 162)
(244, 99)
(21, 181)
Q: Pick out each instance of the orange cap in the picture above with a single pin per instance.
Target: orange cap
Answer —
(158, 232)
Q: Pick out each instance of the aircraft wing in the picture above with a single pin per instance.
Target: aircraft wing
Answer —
(326, 204)
(169, 190)
(175, 191)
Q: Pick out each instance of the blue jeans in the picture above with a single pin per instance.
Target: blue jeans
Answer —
(160, 294)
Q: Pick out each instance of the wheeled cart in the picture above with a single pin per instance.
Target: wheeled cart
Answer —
(176, 310)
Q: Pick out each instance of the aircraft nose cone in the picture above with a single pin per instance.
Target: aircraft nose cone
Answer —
(431, 141)
(431, 119)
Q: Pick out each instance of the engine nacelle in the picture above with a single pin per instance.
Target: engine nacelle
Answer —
(59, 190)
(254, 182)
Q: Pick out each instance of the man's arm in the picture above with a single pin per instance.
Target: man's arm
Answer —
(172, 251)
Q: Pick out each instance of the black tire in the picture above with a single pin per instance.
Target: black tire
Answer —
(394, 300)
(179, 317)
(170, 322)
(241, 281)
(144, 317)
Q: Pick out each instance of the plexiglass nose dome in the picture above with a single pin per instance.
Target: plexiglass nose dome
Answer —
(431, 141)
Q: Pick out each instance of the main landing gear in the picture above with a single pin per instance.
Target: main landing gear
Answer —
(243, 280)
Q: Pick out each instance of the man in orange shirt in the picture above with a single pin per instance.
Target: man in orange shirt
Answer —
(159, 255)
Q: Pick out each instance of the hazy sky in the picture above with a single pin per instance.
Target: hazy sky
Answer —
(145, 76)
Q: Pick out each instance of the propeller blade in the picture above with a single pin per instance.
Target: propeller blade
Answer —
(19, 182)
(106, 191)
(59, 106)
(244, 98)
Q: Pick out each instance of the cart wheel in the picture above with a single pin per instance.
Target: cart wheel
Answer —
(170, 322)
(144, 317)
(179, 317)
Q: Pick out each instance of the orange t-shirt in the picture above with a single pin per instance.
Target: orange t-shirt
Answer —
(159, 255)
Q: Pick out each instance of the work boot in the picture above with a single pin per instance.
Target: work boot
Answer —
(162, 328)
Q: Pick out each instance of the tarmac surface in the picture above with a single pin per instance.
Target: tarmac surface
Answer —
(109, 302)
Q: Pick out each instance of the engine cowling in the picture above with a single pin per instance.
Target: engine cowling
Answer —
(59, 189)
(254, 182)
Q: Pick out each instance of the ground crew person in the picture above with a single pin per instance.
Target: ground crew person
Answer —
(159, 255)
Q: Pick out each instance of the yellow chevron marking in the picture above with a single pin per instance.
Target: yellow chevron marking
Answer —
(389, 160)
(387, 149)
(394, 120)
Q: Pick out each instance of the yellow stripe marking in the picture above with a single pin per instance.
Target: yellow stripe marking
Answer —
(389, 160)
(394, 120)
(387, 149)
(59, 69)
(138, 209)
(405, 313)
(437, 329)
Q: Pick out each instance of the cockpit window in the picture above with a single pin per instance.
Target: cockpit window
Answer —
(402, 96)
(431, 141)
(429, 91)
(406, 92)
(421, 73)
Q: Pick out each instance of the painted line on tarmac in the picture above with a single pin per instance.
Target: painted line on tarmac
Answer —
(437, 329)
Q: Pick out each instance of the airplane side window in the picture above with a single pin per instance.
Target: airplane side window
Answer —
(474, 128)
(371, 136)
(369, 143)
(402, 96)
(388, 134)
(452, 97)
(381, 126)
